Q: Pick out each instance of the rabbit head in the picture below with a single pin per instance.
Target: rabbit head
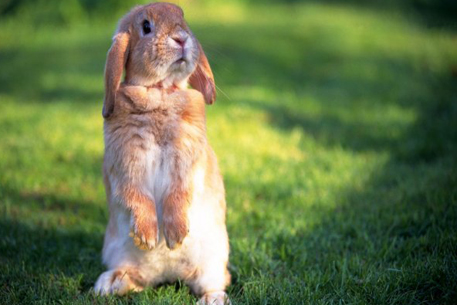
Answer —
(154, 45)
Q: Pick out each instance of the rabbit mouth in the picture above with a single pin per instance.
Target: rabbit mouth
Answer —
(180, 64)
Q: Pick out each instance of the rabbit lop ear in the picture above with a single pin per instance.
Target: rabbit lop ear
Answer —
(202, 78)
(115, 62)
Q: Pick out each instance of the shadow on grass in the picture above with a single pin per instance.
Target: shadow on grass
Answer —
(52, 250)
(54, 73)
(438, 14)
(394, 240)
(47, 261)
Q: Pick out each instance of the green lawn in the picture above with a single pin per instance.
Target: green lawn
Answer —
(336, 133)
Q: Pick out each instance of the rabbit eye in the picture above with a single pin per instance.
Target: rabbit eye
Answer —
(146, 27)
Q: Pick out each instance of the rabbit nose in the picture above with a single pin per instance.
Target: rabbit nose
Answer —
(181, 40)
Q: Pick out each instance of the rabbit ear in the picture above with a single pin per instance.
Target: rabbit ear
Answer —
(202, 79)
(115, 62)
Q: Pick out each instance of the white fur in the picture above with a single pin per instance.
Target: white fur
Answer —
(215, 298)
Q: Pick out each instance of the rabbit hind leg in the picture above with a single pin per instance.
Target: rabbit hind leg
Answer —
(118, 281)
(210, 283)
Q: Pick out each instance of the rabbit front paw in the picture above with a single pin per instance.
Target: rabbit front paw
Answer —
(175, 221)
(175, 229)
(144, 232)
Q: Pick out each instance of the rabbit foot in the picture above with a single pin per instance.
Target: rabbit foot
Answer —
(115, 282)
(175, 229)
(144, 233)
(214, 298)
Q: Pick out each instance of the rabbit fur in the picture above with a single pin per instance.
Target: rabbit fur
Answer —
(164, 190)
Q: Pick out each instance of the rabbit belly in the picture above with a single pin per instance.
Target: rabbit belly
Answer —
(202, 258)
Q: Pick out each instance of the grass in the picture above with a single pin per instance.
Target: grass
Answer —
(336, 133)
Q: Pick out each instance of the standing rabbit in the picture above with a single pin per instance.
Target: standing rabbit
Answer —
(165, 193)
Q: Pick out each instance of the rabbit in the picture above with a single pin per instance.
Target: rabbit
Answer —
(164, 190)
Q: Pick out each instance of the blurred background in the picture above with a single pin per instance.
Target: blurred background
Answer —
(336, 133)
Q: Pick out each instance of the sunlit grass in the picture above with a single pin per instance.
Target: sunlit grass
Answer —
(335, 130)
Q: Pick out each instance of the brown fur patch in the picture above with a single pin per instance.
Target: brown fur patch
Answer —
(144, 215)
(202, 79)
(117, 274)
(129, 279)
(175, 222)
